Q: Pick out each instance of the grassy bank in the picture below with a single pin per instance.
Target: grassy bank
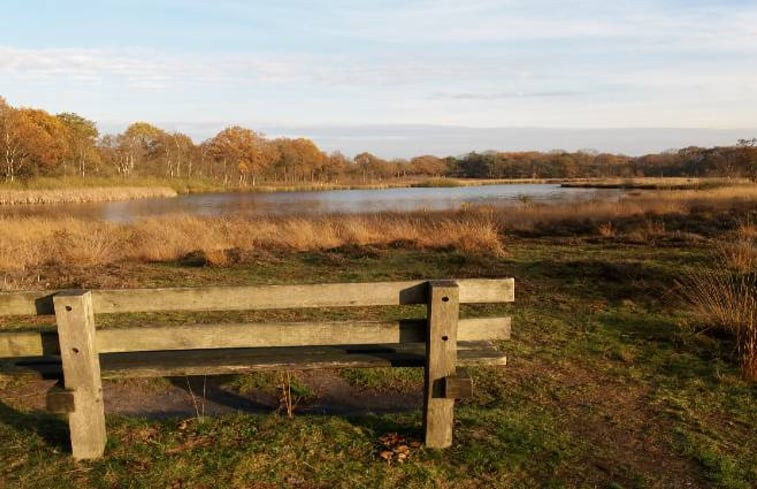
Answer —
(81, 195)
(94, 189)
(652, 183)
(178, 185)
(206, 185)
(27, 243)
(613, 381)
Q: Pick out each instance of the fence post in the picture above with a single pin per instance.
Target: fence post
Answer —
(75, 318)
(441, 358)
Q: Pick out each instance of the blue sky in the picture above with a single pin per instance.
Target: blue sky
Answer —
(396, 76)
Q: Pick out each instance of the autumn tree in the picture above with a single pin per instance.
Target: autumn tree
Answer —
(372, 167)
(335, 166)
(428, 165)
(747, 156)
(244, 150)
(30, 141)
(137, 145)
(81, 136)
(298, 159)
(177, 152)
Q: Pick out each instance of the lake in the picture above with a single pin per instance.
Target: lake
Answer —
(317, 202)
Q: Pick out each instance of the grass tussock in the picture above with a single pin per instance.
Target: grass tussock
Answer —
(726, 299)
(31, 242)
(80, 195)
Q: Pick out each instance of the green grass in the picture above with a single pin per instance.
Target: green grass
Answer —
(606, 387)
(384, 379)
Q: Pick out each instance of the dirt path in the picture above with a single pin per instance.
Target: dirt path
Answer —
(188, 397)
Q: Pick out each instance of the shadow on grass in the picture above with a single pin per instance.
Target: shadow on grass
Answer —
(50, 428)
(407, 424)
(671, 349)
(212, 389)
(216, 396)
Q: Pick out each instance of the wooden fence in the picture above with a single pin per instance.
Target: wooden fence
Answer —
(83, 355)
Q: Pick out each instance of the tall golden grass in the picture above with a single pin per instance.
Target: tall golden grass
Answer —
(655, 183)
(28, 242)
(725, 298)
(80, 195)
(603, 215)
(32, 242)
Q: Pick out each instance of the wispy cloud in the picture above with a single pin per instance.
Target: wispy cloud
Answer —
(485, 63)
(153, 69)
(509, 95)
(645, 22)
(140, 68)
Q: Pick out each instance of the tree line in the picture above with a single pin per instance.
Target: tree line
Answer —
(35, 143)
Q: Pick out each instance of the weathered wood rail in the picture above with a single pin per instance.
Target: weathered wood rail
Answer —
(81, 355)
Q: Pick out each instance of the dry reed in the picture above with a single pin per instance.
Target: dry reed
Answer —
(31, 242)
(27, 242)
(726, 297)
(80, 195)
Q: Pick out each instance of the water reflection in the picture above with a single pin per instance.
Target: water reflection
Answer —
(335, 201)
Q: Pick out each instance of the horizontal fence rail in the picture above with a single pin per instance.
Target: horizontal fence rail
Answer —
(236, 361)
(472, 291)
(16, 344)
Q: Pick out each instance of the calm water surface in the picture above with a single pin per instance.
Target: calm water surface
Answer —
(324, 202)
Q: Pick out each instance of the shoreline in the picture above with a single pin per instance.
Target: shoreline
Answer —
(69, 191)
(103, 191)
(81, 195)
(653, 183)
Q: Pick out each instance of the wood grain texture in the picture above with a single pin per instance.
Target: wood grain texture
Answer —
(239, 361)
(261, 297)
(441, 362)
(458, 386)
(81, 372)
(60, 401)
(33, 303)
(244, 360)
(249, 335)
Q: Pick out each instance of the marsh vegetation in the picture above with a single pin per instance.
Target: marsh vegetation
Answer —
(622, 373)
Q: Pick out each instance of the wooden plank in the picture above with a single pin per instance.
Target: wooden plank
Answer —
(441, 361)
(265, 335)
(15, 344)
(458, 386)
(33, 303)
(261, 297)
(60, 401)
(205, 336)
(75, 318)
(20, 344)
(245, 360)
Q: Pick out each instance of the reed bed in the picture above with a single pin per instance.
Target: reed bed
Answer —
(81, 195)
(604, 215)
(28, 242)
(32, 242)
(655, 183)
